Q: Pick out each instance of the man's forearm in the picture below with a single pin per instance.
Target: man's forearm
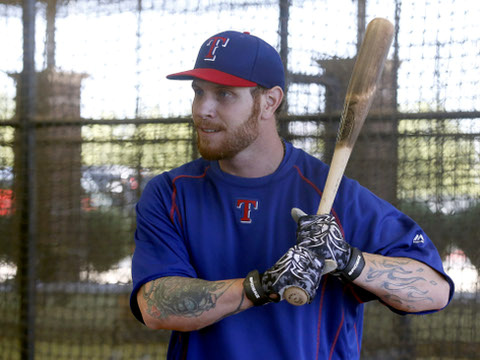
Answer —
(403, 283)
(186, 304)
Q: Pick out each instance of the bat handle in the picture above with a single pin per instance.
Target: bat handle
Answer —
(296, 296)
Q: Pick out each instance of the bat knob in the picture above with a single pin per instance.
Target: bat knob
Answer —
(296, 296)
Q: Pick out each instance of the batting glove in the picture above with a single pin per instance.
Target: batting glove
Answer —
(322, 235)
(299, 267)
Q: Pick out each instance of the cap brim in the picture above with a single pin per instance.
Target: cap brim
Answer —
(212, 75)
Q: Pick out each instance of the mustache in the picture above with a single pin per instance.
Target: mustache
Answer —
(207, 124)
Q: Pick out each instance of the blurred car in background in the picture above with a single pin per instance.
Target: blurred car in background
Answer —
(103, 186)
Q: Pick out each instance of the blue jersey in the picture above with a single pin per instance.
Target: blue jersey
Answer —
(197, 221)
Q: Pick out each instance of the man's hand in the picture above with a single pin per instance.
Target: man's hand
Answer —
(322, 235)
(299, 267)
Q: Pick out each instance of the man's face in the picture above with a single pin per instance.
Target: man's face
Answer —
(226, 119)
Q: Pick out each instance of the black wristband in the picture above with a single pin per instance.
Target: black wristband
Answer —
(354, 267)
(254, 289)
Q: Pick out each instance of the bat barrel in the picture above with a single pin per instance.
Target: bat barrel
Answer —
(364, 79)
(360, 93)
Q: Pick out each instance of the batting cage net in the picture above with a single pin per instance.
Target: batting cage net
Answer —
(87, 118)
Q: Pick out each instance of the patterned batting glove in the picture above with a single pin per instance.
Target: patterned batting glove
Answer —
(322, 235)
(299, 267)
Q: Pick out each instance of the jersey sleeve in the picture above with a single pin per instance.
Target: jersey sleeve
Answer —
(375, 226)
(159, 247)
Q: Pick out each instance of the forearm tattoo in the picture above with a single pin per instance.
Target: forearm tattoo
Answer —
(404, 286)
(185, 297)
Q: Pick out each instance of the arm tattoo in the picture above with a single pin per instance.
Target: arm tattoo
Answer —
(236, 311)
(403, 286)
(186, 297)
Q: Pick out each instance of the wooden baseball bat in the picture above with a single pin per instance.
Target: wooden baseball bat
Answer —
(360, 93)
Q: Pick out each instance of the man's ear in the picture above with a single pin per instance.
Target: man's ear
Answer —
(273, 99)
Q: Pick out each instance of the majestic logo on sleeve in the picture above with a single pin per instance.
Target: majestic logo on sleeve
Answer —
(419, 239)
(246, 206)
(214, 43)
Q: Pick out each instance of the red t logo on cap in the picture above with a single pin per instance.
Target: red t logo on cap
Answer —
(214, 43)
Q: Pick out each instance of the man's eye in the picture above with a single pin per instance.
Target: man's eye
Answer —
(224, 94)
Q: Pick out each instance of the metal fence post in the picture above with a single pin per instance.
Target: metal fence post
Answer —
(27, 195)
(284, 14)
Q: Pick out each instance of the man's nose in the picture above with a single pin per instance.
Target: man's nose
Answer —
(204, 107)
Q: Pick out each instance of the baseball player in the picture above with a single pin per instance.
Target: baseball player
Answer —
(217, 241)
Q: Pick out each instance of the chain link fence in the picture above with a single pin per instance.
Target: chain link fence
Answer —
(87, 118)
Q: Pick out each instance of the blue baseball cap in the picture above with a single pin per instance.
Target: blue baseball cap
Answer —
(236, 59)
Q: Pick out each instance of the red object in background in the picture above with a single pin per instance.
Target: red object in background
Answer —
(6, 202)
(133, 183)
(86, 204)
